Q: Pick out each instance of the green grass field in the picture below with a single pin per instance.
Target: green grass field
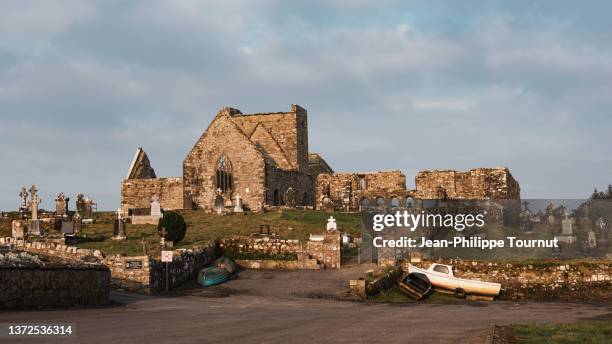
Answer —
(202, 227)
(583, 332)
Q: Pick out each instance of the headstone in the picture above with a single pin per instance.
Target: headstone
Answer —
(34, 224)
(119, 226)
(18, 229)
(238, 204)
(78, 222)
(80, 203)
(88, 212)
(290, 197)
(601, 223)
(331, 224)
(155, 206)
(67, 228)
(566, 226)
(24, 200)
(61, 205)
(219, 204)
(551, 220)
(592, 240)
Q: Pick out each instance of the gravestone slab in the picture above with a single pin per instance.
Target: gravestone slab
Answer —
(67, 227)
(18, 229)
(155, 206)
(34, 227)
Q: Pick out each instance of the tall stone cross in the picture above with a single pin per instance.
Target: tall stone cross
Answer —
(24, 198)
(34, 202)
(525, 204)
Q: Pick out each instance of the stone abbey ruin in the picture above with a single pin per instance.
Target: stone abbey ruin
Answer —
(261, 160)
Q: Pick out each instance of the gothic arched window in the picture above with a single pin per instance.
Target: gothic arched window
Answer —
(225, 179)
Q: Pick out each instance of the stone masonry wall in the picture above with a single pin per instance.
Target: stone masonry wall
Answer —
(140, 273)
(224, 138)
(137, 193)
(346, 190)
(265, 245)
(480, 183)
(35, 285)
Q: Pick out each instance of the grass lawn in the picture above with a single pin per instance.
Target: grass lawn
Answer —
(584, 332)
(202, 227)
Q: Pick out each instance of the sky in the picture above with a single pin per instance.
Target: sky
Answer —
(409, 85)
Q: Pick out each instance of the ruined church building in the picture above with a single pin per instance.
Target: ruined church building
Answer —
(263, 160)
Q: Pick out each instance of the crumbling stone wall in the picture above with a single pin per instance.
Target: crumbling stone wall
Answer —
(347, 191)
(137, 193)
(479, 183)
(36, 284)
(354, 191)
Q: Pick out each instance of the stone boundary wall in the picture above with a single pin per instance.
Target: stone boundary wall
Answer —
(137, 193)
(278, 264)
(57, 285)
(326, 252)
(186, 264)
(139, 273)
(537, 280)
(265, 245)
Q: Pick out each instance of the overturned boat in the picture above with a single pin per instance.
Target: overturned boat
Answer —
(416, 285)
(220, 271)
(442, 278)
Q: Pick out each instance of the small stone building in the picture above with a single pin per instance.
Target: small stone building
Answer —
(261, 159)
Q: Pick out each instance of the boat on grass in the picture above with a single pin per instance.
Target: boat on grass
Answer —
(416, 285)
(219, 271)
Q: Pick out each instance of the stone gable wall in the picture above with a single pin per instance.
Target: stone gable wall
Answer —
(199, 168)
(137, 193)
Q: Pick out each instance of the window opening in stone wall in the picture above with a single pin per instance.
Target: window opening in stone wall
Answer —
(225, 179)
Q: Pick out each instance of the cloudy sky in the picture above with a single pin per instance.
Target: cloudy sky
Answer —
(392, 85)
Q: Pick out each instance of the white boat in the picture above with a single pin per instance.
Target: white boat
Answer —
(441, 277)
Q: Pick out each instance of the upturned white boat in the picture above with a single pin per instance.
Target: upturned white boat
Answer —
(441, 277)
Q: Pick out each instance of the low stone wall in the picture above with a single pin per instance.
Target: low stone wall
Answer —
(265, 245)
(326, 251)
(303, 262)
(35, 284)
(540, 280)
(139, 273)
(186, 263)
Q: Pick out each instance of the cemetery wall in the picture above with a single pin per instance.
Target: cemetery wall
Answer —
(186, 264)
(260, 245)
(540, 280)
(139, 273)
(137, 193)
(46, 285)
(325, 253)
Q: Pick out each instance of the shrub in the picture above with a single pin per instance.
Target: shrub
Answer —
(175, 226)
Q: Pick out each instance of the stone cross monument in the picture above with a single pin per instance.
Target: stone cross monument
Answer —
(119, 228)
(24, 200)
(34, 202)
(331, 224)
(61, 204)
(238, 205)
